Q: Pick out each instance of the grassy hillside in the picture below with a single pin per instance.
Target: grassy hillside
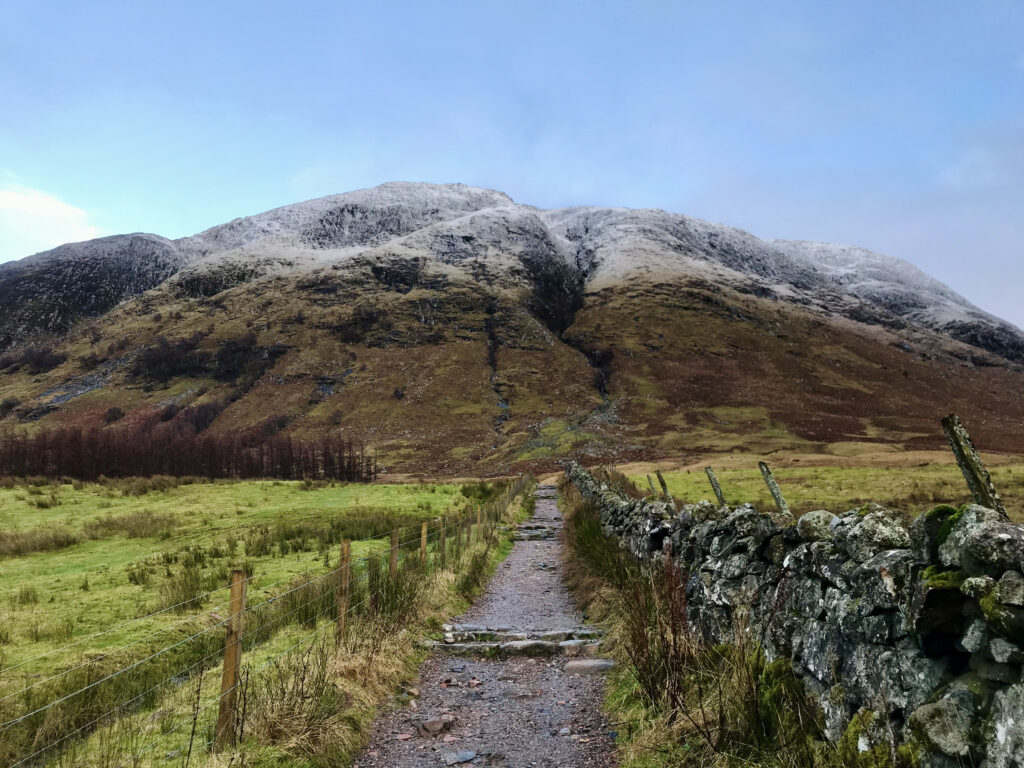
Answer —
(446, 372)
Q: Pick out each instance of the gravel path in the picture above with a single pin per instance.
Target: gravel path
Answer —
(518, 712)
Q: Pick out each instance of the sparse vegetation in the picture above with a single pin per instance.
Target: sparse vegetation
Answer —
(679, 700)
(112, 415)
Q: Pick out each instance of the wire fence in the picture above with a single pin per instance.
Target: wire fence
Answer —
(51, 714)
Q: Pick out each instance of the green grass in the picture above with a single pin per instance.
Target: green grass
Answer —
(126, 551)
(913, 489)
(308, 703)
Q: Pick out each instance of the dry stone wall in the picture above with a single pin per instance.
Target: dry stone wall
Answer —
(907, 639)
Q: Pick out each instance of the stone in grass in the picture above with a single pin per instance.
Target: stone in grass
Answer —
(589, 666)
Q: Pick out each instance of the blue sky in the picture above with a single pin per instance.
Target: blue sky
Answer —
(898, 126)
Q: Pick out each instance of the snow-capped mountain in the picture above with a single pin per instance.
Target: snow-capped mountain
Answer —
(457, 224)
(459, 331)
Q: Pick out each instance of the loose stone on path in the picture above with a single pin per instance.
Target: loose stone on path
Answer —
(534, 700)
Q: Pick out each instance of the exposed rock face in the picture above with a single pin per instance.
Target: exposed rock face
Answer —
(48, 292)
(558, 251)
(874, 621)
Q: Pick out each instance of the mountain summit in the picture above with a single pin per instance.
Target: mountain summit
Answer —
(457, 330)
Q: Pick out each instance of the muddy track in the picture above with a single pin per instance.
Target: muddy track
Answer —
(515, 683)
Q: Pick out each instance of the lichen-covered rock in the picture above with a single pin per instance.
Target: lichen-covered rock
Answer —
(1011, 589)
(1005, 737)
(816, 526)
(1005, 652)
(944, 726)
(704, 511)
(975, 637)
(747, 523)
(992, 549)
(862, 537)
(978, 586)
(882, 580)
(1007, 620)
(955, 530)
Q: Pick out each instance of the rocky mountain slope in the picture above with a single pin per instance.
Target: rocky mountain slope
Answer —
(459, 331)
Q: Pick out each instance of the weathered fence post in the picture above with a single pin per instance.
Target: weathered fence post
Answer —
(773, 486)
(967, 458)
(715, 486)
(442, 544)
(393, 563)
(650, 482)
(664, 486)
(423, 543)
(345, 572)
(225, 736)
(479, 523)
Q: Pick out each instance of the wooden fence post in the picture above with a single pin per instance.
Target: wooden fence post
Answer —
(423, 543)
(664, 486)
(715, 486)
(974, 472)
(650, 482)
(225, 736)
(442, 545)
(393, 564)
(769, 480)
(345, 571)
(479, 522)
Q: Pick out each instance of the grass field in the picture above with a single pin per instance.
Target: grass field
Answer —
(96, 576)
(910, 481)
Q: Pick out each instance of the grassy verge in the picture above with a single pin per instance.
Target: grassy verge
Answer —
(135, 583)
(675, 700)
(912, 488)
(313, 705)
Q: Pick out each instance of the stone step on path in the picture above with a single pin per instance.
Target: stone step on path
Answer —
(535, 704)
(491, 642)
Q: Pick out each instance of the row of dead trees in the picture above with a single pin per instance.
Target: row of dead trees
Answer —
(89, 453)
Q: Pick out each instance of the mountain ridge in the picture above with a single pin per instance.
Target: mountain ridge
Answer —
(303, 235)
(511, 335)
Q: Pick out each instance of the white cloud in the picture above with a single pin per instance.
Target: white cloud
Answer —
(32, 220)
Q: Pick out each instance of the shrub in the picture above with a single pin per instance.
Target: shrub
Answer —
(16, 543)
(112, 415)
(41, 359)
(7, 405)
(26, 596)
(242, 356)
(166, 359)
